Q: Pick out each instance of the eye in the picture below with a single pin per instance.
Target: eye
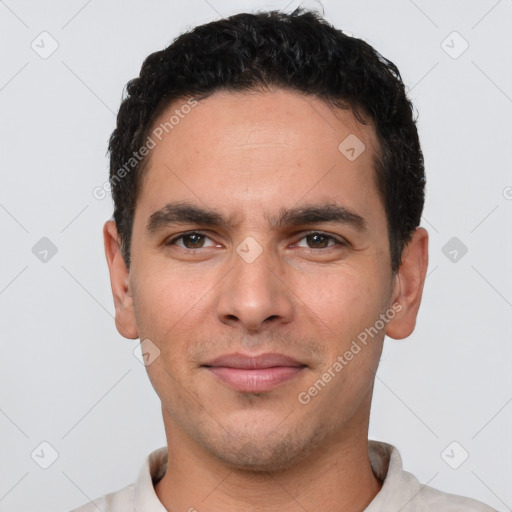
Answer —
(191, 240)
(318, 240)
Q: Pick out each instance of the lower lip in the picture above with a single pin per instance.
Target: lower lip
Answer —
(257, 380)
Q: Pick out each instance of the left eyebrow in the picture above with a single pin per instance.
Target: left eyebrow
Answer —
(185, 213)
(317, 213)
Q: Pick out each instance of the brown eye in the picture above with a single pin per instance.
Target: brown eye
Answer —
(192, 240)
(319, 241)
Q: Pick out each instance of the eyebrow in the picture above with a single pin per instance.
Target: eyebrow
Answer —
(317, 213)
(188, 213)
(184, 213)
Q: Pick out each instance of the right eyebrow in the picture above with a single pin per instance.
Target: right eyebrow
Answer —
(184, 213)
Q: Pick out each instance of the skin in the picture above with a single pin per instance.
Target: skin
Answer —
(249, 156)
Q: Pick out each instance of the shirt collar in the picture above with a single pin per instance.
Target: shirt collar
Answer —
(152, 471)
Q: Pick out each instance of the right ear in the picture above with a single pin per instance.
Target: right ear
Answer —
(120, 282)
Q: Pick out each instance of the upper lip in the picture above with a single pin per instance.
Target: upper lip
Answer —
(251, 362)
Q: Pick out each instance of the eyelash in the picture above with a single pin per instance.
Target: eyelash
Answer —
(339, 242)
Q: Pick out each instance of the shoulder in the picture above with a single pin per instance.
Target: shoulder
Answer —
(119, 501)
(402, 491)
(137, 496)
(433, 499)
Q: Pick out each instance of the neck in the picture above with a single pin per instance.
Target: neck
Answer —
(337, 476)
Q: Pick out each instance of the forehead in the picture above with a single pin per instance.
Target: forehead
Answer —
(228, 117)
(259, 151)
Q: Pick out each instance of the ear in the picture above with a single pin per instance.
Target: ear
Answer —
(120, 282)
(408, 285)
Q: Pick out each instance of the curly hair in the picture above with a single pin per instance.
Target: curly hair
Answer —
(297, 51)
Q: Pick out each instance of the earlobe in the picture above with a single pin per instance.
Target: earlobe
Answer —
(408, 286)
(120, 283)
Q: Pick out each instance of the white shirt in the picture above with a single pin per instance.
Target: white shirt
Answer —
(400, 491)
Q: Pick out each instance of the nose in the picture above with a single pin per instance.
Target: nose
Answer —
(254, 295)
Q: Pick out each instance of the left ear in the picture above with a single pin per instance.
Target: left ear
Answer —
(408, 286)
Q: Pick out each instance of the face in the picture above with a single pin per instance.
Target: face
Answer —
(259, 256)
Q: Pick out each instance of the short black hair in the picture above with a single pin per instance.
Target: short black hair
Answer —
(297, 51)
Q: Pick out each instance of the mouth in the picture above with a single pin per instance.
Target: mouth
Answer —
(254, 374)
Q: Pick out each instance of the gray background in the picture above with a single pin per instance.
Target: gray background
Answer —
(69, 379)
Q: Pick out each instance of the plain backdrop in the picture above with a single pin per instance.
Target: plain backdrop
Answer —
(70, 381)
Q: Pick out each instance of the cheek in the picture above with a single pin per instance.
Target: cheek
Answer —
(170, 309)
(349, 304)
(169, 301)
(342, 301)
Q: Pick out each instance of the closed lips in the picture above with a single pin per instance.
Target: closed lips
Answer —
(241, 361)
(254, 374)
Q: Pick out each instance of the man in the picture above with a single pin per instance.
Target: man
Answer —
(268, 185)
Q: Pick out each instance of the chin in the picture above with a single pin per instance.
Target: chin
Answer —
(267, 453)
